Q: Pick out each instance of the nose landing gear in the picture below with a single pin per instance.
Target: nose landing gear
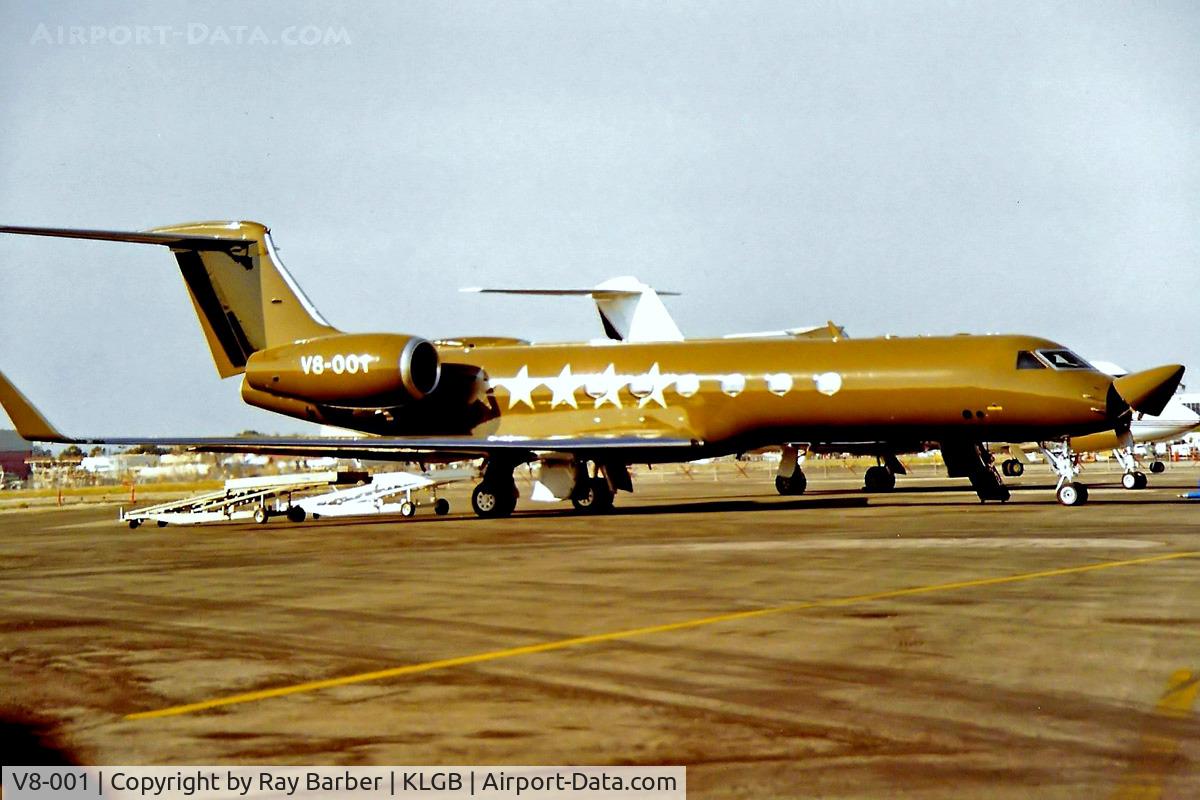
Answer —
(1133, 477)
(1068, 491)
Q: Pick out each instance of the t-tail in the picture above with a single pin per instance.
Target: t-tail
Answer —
(244, 297)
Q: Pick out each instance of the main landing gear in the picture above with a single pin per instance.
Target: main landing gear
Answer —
(1069, 491)
(494, 498)
(592, 495)
(496, 495)
(790, 480)
(879, 479)
(974, 461)
(882, 476)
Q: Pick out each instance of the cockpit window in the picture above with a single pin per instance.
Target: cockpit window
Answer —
(1027, 360)
(1064, 359)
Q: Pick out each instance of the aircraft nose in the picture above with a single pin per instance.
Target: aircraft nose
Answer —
(1149, 391)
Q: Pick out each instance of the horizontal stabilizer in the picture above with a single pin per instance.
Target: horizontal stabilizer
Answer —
(596, 292)
(191, 241)
(30, 423)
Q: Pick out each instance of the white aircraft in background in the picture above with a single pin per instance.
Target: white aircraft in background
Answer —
(632, 311)
(1177, 419)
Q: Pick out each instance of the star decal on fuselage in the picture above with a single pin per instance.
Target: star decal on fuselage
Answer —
(564, 387)
(657, 383)
(649, 387)
(610, 383)
(520, 387)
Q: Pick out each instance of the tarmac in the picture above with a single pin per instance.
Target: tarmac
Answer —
(916, 644)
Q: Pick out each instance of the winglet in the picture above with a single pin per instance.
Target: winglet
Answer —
(29, 421)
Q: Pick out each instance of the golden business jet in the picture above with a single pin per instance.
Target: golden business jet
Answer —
(585, 412)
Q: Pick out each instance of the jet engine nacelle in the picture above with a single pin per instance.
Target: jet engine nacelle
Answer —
(354, 370)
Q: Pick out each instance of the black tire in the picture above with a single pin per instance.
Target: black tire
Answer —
(261, 516)
(1072, 494)
(134, 523)
(791, 486)
(879, 479)
(407, 508)
(441, 507)
(296, 514)
(490, 501)
(1015, 468)
(162, 523)
(593, 496)
(1157, 466)
(1142, 480)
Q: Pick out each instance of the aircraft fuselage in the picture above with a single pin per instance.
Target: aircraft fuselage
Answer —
(728, 394)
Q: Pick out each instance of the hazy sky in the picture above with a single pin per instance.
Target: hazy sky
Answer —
(923, 167)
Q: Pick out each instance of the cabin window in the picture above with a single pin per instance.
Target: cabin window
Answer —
(1027, 360)
(1064, 359)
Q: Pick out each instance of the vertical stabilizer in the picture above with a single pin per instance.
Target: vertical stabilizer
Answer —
(631, 311)
(245, 299)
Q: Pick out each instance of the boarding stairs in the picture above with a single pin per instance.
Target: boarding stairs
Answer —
(242, 498)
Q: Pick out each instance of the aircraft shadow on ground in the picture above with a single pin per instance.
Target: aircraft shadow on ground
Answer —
(812, 499)
(28, 740)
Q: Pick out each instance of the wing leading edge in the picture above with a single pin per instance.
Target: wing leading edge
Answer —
(31, 424)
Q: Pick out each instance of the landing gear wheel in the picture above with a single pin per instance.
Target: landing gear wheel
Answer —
(296, 514)
(793, 485)
(441, 507)
(1072, 494)
(407, 508)
(1012, 468)
(1157, 467)
(593, 496)
(1134, 480)
(490, 501)
(261, 515)
(879, 479)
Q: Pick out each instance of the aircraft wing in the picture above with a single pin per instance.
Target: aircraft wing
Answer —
(32, 425)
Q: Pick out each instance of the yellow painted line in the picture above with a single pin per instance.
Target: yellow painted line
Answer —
(578, 641)
(1180, 696)
(1156, 754)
